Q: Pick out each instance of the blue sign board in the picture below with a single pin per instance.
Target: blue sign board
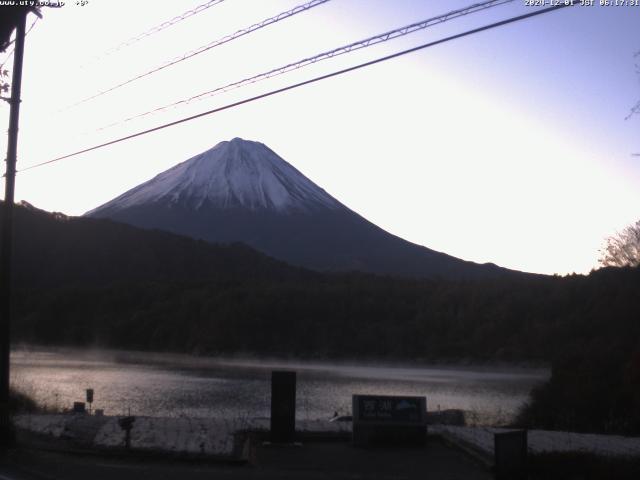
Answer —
(390, 409)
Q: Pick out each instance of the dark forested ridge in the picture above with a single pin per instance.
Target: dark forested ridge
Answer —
(95, 282)
(54, 250)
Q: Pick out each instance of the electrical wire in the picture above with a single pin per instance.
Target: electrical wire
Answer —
(216, 43)
(306, 82)
(7, 57)
(367, 42)
(159, 28)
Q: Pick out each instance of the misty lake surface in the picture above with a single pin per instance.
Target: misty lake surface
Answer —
(181, 385)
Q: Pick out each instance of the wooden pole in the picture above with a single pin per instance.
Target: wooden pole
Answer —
(6, 430)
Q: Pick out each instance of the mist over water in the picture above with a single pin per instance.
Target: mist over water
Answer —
(180, 385)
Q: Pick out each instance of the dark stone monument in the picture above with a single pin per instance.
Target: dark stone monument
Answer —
(283, 406)
(389, 420)
(511, 454)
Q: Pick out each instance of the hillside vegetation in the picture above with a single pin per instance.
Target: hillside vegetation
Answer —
(99, 283)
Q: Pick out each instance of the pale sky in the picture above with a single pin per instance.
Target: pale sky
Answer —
(509, 146)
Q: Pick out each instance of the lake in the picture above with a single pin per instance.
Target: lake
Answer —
(171, 385)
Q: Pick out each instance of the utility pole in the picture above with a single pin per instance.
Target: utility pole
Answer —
(6, 429)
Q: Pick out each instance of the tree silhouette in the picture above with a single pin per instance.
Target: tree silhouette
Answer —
(4, 85)
(623, 248)
(636, 108)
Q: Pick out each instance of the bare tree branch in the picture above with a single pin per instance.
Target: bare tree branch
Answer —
(636, 108)
(623, 248)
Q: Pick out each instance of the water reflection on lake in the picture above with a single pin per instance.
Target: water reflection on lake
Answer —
(176, 385)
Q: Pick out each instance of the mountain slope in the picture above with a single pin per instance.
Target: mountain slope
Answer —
(242, 191)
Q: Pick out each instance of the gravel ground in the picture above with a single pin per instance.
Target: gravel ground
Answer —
(215, 437)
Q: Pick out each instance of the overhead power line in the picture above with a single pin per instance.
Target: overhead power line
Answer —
(305, 82)
(367, 42)
(216, 43)
(6, 59)
(159, 28)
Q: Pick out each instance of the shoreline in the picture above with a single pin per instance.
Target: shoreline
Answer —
(179, 359)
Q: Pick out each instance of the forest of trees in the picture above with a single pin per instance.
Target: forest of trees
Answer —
(97, 283)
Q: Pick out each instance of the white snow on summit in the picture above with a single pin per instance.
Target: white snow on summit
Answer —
(233, 173)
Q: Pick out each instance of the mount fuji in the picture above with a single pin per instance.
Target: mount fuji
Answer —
(242, 191)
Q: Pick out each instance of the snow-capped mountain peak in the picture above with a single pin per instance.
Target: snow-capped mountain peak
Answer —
(236, 173)
(241, 191)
